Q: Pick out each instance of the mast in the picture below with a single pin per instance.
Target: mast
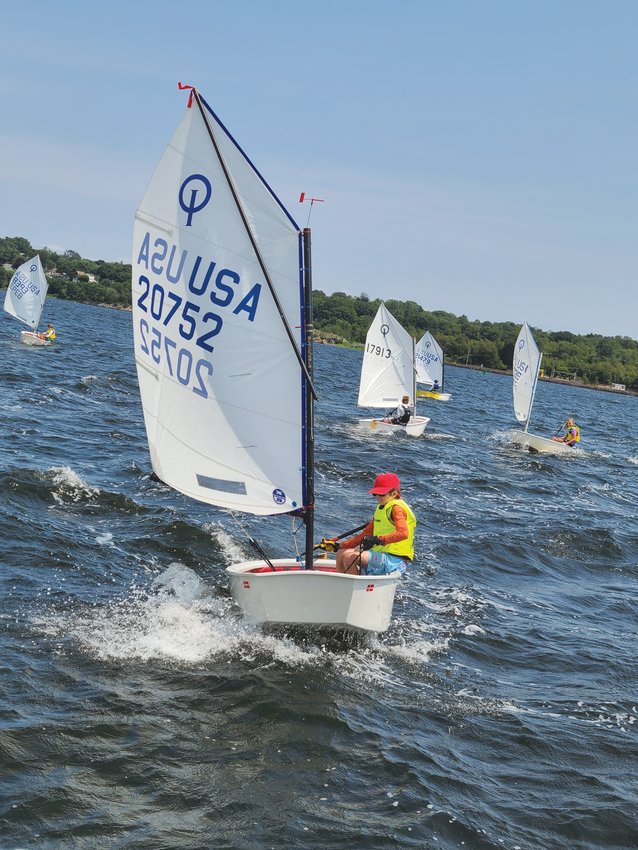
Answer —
(309, 419)
(414, 374)
(531, 401)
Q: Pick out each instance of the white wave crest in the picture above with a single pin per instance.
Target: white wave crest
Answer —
(229, 548)
(178, 621)
(69, 484)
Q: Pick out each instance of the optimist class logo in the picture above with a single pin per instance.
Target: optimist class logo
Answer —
(190, 205)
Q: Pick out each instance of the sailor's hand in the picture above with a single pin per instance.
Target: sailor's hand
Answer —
(328, 544)
(369, 541)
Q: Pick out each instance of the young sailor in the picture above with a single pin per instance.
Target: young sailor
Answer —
(572, 433)
(386, 544)
(49, 333)
(401, 413)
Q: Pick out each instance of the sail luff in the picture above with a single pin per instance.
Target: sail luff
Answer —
(531, 401)
(414, 374)
(308, 416)
(253, 241)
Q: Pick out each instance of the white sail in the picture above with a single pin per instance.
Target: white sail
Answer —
(525, 366)
(429, 360)
(27, 292)
(220, 379)
(387, 371)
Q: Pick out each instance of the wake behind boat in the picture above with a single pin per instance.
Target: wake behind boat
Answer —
(388, 374)
(222, 317)
(25, 297)
(525, 368)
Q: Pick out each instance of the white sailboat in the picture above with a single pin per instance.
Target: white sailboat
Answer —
(388, 373)
(25, 297)
(525, 368)
(429, 363)
(222, 315)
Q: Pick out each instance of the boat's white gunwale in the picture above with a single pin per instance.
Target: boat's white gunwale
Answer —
(246, 567)
(543, 445)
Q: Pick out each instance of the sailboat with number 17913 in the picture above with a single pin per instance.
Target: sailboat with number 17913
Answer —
(388, 376)
(222, 316)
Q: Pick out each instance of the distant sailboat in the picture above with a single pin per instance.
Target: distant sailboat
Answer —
(222, 317)
(525, 368)
(25, 297)
(388, 373)
(429, 363)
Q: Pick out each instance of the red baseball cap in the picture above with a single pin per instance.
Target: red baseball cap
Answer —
(384, 483)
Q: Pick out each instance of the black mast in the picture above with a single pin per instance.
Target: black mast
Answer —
(309, 424)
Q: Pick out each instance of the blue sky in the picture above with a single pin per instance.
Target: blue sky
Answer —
(475, 156)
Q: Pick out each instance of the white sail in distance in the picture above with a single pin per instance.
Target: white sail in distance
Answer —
(525, 366)
(387, 371)
(26, 293)
(428, 360)
(220, 379)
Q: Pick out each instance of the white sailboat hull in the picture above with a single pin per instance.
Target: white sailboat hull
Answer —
(536, 443)
(319, 597)
(432, 394)
(30, 338)
(414, 428)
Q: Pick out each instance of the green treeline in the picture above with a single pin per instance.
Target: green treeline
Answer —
(590, 358)
(70, 276)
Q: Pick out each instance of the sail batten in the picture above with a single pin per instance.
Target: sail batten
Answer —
(218, 321)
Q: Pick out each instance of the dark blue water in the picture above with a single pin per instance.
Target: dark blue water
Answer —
(138, 710)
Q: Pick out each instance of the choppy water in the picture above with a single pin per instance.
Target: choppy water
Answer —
(138, 710)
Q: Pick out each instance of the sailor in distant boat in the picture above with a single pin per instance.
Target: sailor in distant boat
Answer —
(435, 387)
(401, 413)
(386, 544)
(572, 433)
(49, 334)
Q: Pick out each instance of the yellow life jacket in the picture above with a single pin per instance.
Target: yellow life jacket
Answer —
(383, 525)
(50, 334)
(573, 438)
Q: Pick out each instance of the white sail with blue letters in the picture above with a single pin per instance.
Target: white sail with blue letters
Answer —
(218, 324)
(525, 367)
(526, 364)
(387, 371)
(26, 293)
(429, 360)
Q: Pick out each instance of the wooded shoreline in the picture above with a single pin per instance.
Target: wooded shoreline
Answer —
(505, 372)
(590, 360)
